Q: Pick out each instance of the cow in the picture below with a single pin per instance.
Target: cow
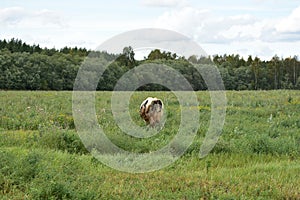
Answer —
(151, 110)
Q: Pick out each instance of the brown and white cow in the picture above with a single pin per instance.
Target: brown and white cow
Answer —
(151, 110)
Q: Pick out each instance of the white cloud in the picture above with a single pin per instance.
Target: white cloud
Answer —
(243, 34)
(290, 24)
(19, 17)
(12, 15)
(261, 27)
(207, 27)
(185, 20)
(204, 26)
(50, 17)
(164, 3)
(251, 31)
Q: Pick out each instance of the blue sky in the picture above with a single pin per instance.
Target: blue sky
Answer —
(251, 27)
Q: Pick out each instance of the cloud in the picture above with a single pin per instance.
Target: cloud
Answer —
(253, 28)
(203, 25)
(290, 24)
(50, 17)
(186, 19)
(263, 50)
(244, 34)
(19, 17)
(164, 3)
(12, 15)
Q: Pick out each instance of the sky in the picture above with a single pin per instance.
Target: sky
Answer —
(262, 28)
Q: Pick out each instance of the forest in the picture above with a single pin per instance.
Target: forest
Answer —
(30, 67)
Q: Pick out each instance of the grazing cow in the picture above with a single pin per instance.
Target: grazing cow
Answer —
(151, 110)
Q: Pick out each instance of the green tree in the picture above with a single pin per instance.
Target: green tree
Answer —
(255, 67)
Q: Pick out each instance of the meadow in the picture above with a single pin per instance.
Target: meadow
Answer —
(256, 157)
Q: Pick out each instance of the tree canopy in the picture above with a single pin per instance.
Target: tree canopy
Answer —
(30, 67)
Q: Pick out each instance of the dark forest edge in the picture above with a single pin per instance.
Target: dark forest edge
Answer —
(30, 67)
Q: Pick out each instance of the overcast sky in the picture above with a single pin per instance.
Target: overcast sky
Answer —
(249, 27)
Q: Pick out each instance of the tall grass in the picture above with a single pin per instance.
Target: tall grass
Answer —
(256, 157)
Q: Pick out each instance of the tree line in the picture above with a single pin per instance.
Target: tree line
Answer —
(30, 67)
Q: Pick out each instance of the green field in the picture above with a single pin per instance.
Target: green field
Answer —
(256, 157)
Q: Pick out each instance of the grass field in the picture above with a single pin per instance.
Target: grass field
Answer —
(256, 157)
